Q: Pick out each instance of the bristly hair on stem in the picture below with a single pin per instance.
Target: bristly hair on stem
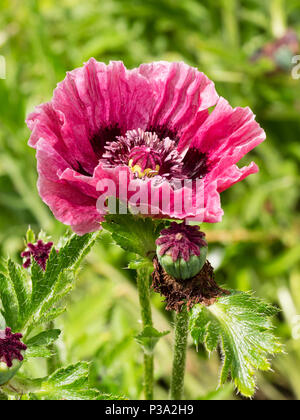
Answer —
(180, 348)
(143, 285)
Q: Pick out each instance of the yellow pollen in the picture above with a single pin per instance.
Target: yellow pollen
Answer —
(148, 172)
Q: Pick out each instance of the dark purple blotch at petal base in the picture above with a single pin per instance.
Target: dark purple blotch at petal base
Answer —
(11, 347)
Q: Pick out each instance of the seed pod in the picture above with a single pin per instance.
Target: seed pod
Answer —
(182, 250)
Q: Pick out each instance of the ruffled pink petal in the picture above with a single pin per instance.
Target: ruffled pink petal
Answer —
(90, 99)
(70, 206)
(233, 174)
(46, 123)
(104, 95)
(72, 203)
(214, 185)
(86, 185)
(227, 135)
(183, 202)
(183, 97)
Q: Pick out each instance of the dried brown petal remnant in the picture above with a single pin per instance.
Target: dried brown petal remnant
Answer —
(200, 289)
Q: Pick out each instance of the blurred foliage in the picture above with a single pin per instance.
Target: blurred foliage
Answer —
(257, 245)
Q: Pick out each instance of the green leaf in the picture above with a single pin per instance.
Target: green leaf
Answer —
(37, 345)
(66, 394)
(70, 383)
(51, 286)
(110, 397)
(134, 233)
(50, 315)
(241, 325)
(38, 351)
(42, 282)
(25, 307)
(149, 337)
(76, 248)
(73, 376)
(44, 339)
(3, 265)
(9, 302)
(69, 255)
(18, 278)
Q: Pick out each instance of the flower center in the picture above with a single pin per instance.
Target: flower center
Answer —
(145, 153)
(148, 155)
(144, 161)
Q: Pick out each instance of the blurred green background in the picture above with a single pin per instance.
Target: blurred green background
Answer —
(256, 247)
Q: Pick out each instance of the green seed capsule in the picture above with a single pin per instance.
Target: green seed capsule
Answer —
(181, 269)
(182, 250)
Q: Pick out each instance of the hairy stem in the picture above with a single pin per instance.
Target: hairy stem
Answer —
(144, 297)
(179, 362)
(53, 362)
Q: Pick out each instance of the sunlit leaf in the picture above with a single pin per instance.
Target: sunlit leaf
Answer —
(70, 383)
(240, 324)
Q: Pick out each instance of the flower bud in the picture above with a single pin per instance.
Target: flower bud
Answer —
(11, 356)
(40, 252)
(182, 250)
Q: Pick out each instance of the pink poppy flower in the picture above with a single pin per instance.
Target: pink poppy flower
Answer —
(151, 132)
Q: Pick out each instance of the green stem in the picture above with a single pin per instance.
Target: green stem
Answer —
(179, 362)
(53, 362)
(144, 297)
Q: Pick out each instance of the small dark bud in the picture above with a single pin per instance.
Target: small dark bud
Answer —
(39, 252)
(11, 356)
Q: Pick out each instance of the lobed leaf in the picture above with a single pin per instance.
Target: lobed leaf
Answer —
(38, 351)
(70, 383)
(241, 325)
(19, 280)
(45, 338)
(9, 301)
